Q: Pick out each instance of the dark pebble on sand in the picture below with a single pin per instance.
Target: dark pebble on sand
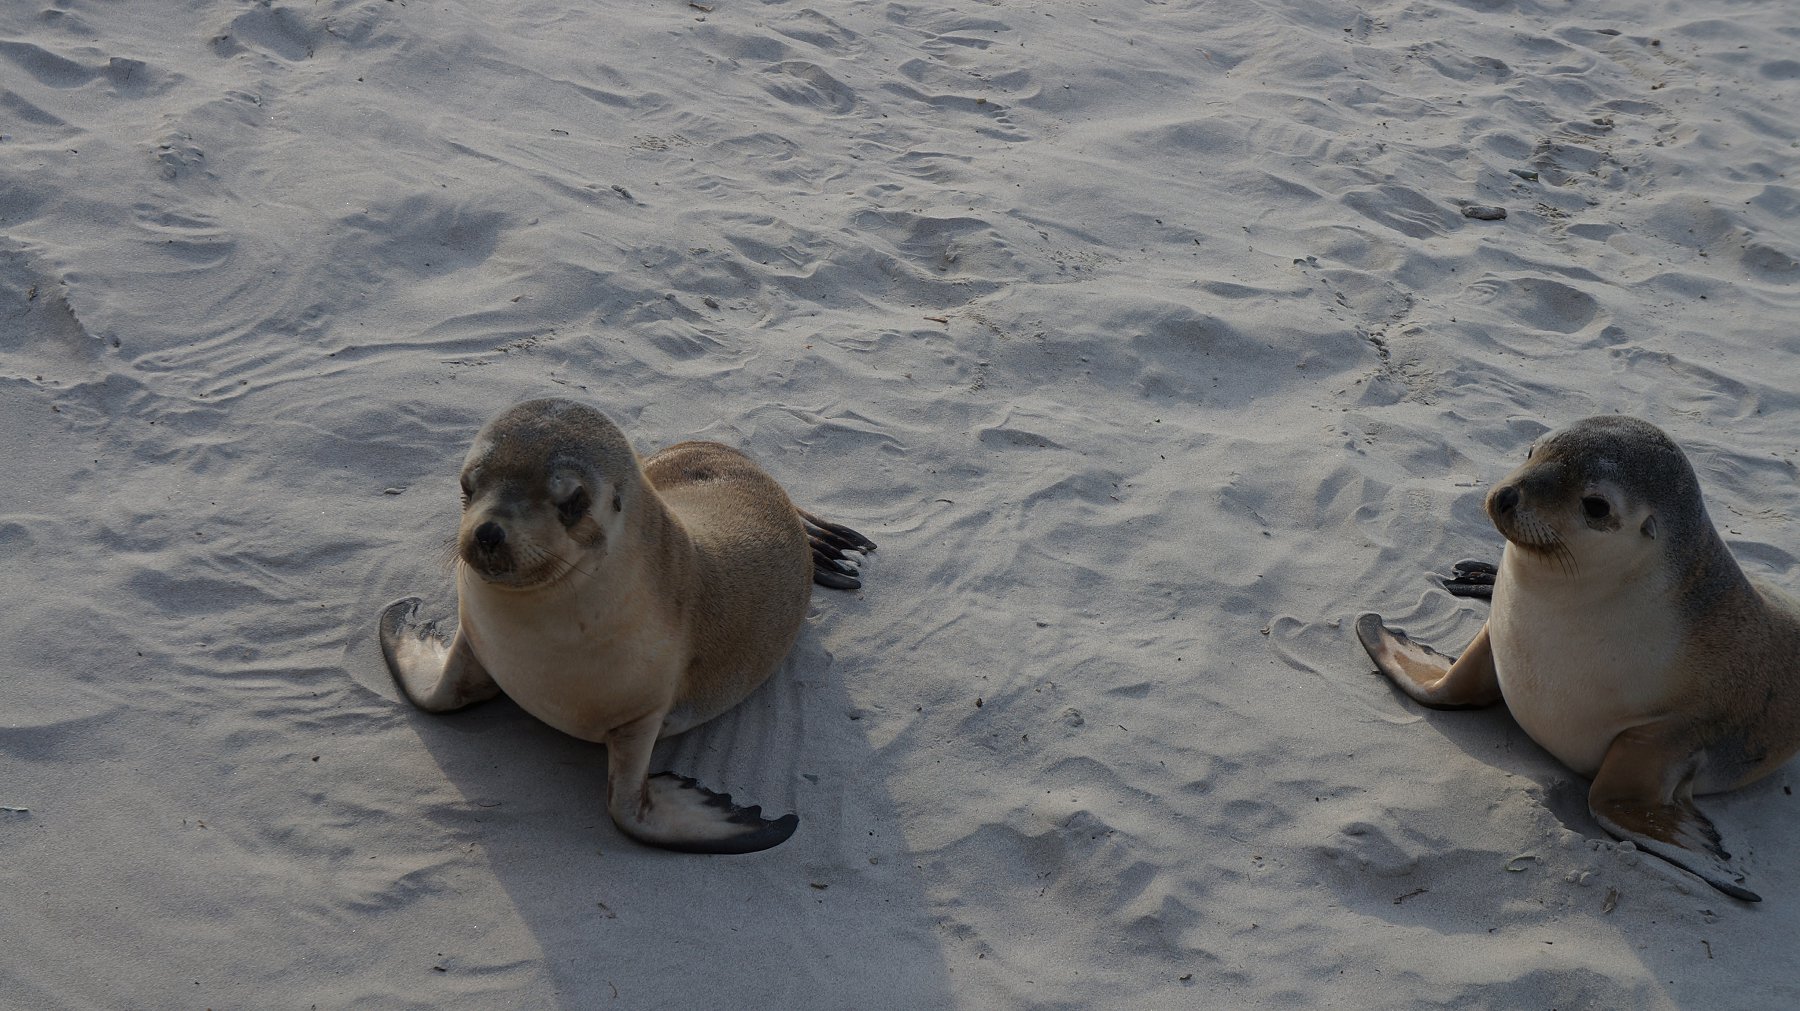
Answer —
(1482, 212)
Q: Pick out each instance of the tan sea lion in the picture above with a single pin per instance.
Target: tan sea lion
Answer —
(622, 601)
(1624, 639)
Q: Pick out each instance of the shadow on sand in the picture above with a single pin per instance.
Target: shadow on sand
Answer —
(831, 918)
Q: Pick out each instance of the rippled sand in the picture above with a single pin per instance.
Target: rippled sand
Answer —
(1151, 341)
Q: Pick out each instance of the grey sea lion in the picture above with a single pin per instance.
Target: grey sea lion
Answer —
(622, 600)
(1624, 638)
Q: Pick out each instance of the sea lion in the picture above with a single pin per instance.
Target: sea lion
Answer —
(622, 601)
(1624, 639)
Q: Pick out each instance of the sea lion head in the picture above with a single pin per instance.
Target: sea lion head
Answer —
(1607, 494)
(545, 489)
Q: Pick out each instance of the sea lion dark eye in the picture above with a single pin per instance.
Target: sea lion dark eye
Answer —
(574, 507)
(1594, 507)
(467, 492)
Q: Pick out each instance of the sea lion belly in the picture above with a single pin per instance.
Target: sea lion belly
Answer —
(1577, 668)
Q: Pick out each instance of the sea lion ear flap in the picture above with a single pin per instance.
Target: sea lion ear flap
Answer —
(1649, 527)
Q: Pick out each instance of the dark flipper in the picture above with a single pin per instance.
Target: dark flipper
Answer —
(837, 552)
(673, 812)
(1643, 792)
(699, 820)
(1471, 578)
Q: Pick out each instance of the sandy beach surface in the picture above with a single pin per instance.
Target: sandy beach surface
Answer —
(1150, 340)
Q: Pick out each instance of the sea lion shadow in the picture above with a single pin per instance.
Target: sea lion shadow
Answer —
(1750, 818)
(1488, 734)
(821, 914)
(1491, 736)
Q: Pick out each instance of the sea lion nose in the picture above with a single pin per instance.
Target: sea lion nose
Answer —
(490, 535)
(1504, 500)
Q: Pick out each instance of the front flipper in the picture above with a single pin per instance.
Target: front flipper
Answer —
(435, 677)
(1470, 578)
(675, 813)
(1430, 677)
(833, 548)
(1644, 793)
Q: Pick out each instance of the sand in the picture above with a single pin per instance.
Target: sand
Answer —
(1150, 340)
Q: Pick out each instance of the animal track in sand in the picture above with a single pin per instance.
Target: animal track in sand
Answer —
(43, 336)
(276, 30)
(1405, 210)
(1539, 303)
(46, 67)
(797, 82)
(426, 234)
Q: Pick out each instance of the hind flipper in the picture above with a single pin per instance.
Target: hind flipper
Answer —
(1643, 792)
(1471, 578)
(837, 552)
(675, 813)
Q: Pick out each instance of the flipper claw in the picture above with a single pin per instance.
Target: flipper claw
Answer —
(833, 546)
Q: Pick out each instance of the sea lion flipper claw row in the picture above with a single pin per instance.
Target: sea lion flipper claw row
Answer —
(711, 822)
(835, 548)
(436, 677)
(1427, 676)
(836, 572)
(1632, 799)
(825, 529)
(1471, 578)
(674, 812)
(835, 580)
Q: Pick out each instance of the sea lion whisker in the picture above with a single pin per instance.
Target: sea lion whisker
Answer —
(571, 565)
(1565, 558)
(449, 554)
